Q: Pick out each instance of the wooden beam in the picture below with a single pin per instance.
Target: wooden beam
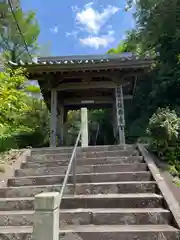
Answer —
(91, 74)
(90, 85)
(59, 76)
(87, 74)
(92, 99)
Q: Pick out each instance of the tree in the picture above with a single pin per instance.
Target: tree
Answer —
(121, 48)
(130, 44)
(24, 120)
(156, 33)
(157, 27)
(11, 41)
(12, 102)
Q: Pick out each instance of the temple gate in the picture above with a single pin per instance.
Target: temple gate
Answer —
(92, 81)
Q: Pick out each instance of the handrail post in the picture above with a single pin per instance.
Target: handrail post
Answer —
(74, 173)
(84, 127)
(46, 216)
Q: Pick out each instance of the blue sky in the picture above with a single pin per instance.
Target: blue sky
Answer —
(80, 27)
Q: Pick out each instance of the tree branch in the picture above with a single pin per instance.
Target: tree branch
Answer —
(6, 42)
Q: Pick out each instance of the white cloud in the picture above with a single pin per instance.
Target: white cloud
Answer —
(98, 41)
(111, 32)
(92, 19)
(89, 22)
(54, 29)
(73, 34)
(75, 8)
(88, 5)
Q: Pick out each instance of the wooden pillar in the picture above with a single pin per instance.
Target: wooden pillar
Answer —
(53, 118)
(60, 125)
(65, 131)
(120, 114)
(114, 120)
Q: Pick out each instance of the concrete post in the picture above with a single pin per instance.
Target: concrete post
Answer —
(46, 217)
(53, 118)
(84, 127)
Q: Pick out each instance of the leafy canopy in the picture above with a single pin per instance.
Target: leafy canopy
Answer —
(11, 40)
(12, 98)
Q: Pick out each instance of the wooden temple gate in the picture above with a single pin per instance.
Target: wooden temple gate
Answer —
(92, 81)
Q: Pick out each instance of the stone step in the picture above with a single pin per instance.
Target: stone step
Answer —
(49, 150)
(116, 216)
(116, 153)
(142, 200)
(93, 216)
(82, 188)
(32, 163)
(105, 232)
(81, 178)
(82, 169)
(117, 232)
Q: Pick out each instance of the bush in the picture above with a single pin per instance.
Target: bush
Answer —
(7, 142)
(173, 171)
(14, 137)
(172, 155)
(164, 128)
(24, 119)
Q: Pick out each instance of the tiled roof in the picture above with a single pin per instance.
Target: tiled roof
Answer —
(84, 59)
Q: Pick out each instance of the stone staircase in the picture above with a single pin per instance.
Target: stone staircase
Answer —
(116, 196)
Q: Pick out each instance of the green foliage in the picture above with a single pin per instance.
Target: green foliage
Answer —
(11, 40)
(32, 89)
(24, 120)
(122, 47)
(156, 33)
(172, 156)
(163, 129)
(12, 97)
(173, 171)
(157, 26)
(100, 127)
(177, 181)
(164, 126)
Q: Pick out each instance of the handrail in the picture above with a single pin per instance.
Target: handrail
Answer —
(72, 163)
